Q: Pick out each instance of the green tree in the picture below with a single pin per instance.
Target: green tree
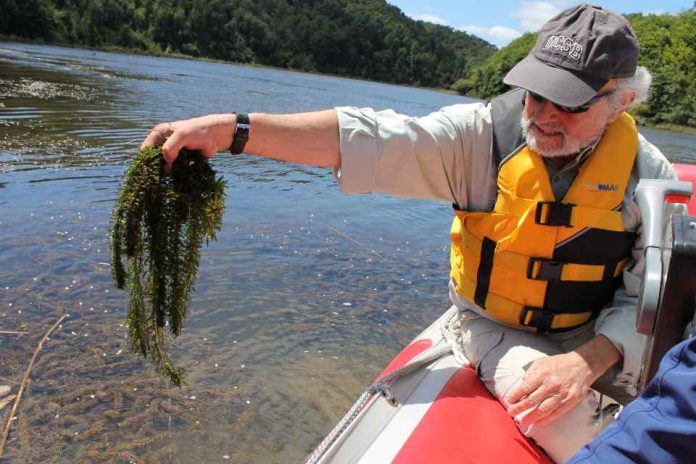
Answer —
(487, 80)
(668, 51)
(362, 38)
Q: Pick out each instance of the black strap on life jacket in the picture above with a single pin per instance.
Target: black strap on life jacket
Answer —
(506, 111)
(483, 277)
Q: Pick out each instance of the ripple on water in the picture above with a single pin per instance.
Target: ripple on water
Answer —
(30, 88)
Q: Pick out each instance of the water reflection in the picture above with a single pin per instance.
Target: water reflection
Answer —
(301, 301)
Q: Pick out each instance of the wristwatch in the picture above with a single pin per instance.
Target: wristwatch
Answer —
(241, 134)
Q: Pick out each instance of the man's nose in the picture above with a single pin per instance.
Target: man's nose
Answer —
(546, 112)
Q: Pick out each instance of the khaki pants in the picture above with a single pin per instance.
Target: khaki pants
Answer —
(501, 355)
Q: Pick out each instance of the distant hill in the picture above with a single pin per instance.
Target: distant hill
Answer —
(361, 38)
(667, 49)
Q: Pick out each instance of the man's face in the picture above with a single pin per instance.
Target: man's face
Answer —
(552, 132)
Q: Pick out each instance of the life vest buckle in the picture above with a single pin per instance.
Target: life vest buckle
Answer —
(541, 319)
(544, 269)
(553, 213)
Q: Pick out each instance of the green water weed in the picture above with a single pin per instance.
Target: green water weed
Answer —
(159, 223)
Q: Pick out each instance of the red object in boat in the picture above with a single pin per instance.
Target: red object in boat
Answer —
(687, 172)
(466, 424)
(444, 415)
(464, 420)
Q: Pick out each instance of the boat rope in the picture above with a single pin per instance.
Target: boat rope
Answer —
(382, 387)
(451, 331)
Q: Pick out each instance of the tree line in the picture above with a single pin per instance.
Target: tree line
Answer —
(368, 39)
(667, 50)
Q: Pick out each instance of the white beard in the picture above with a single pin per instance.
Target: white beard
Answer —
(560, 146)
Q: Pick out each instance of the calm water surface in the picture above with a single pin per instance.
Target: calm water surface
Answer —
(304, 297)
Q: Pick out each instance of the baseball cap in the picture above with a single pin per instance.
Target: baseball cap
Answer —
(576, 53)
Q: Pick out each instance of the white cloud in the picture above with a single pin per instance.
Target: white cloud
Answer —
(533, 14)
(431, 18)
(499, 35)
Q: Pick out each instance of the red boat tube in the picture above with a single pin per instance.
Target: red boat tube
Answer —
(687, 172)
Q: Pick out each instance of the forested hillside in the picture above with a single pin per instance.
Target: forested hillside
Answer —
(362, 38)
(667, 49)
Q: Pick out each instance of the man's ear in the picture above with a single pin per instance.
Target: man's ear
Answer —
(623, 100)
(626, 99)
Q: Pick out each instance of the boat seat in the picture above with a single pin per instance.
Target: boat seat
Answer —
(668, 295)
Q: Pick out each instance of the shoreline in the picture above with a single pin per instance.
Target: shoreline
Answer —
(688, 130)
(182, 56)
(116, 49)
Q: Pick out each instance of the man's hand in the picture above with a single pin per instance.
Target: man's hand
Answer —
(210, 134)
(303, 138)
(554, 385)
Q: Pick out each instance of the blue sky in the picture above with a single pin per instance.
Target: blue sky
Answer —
(501, 21)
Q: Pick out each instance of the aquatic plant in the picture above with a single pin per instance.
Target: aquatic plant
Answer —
(159, 224)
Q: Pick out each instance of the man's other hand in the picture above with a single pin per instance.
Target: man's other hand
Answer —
(550, 387)
(554, 385)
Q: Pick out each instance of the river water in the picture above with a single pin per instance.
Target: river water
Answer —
(300, 302)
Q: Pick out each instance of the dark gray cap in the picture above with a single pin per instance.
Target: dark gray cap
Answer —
(576, 53)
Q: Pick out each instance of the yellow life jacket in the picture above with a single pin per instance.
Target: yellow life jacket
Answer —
(541, 263)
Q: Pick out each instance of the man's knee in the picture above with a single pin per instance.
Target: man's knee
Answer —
(561, 438)
(501, 354)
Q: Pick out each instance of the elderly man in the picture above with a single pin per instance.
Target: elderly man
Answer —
(545, 267)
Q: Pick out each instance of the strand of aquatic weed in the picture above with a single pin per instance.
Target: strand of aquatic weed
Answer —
(160, 222)
(23, 385)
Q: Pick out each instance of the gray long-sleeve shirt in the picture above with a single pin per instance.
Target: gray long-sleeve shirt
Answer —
(447, 156)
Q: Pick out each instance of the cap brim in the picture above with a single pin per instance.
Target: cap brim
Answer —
(556, 84)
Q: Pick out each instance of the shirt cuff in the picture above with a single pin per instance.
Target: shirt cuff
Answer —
(619, 326)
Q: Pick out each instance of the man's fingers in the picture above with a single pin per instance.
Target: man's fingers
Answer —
(545, 408)
(149, 140)
(524, 387)
(157, 135)
(532, 400)
(171, 147)
(561, 409)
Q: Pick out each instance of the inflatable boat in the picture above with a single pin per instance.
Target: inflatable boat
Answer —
(428, 406)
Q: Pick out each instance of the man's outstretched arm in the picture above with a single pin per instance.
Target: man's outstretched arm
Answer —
(304, 138)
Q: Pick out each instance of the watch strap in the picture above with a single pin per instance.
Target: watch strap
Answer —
(241, 134)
